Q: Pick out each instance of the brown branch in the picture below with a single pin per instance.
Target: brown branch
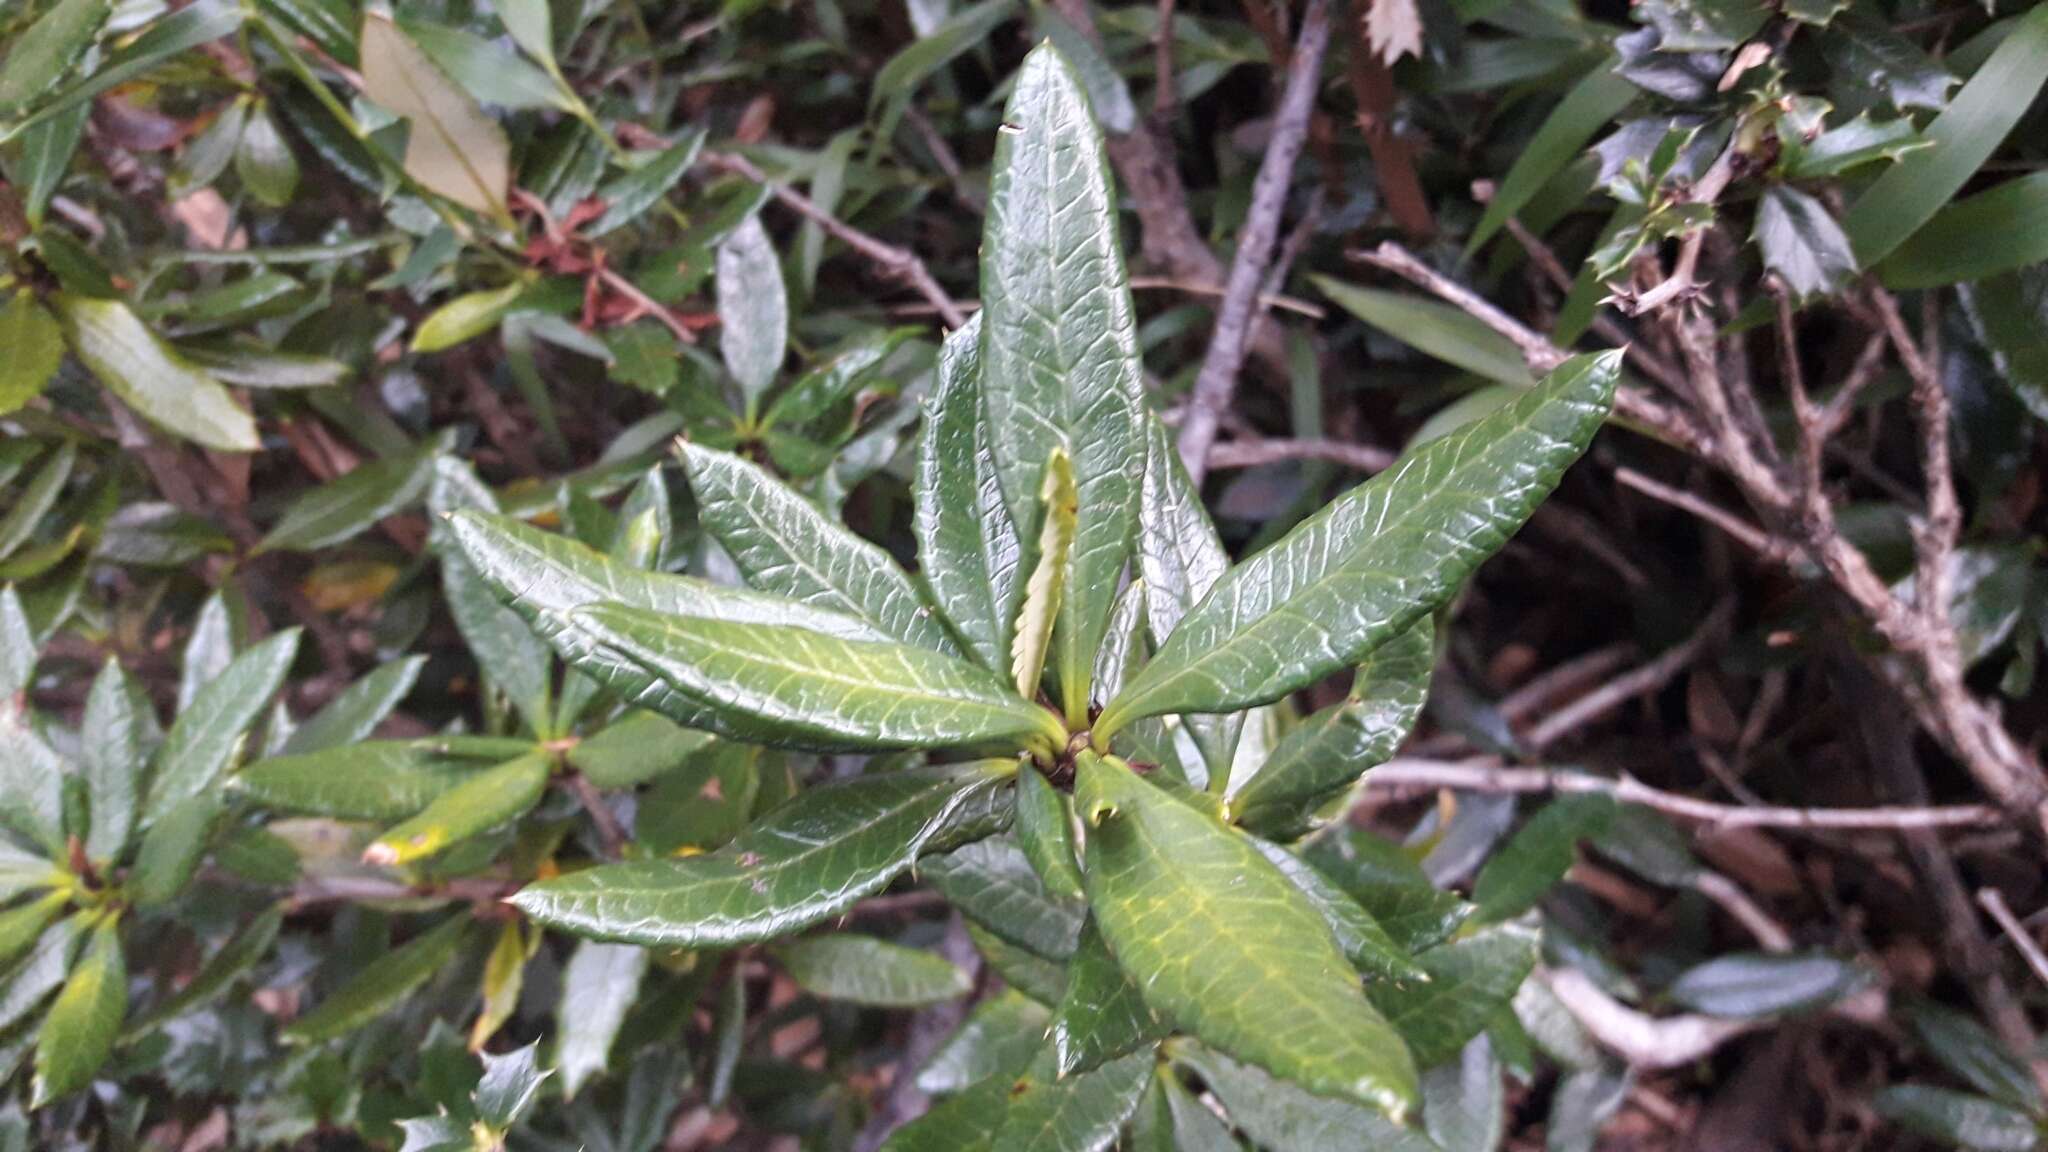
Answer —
(1993, 902)
(610, 833)
(1253, 453)
(1393, 161)
(1218, 376)
(1641, 681)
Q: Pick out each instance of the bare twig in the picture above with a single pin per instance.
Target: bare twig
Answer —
(1486, 775)
(1993, 902)
(899, 262)
(1252, 453)
(1294, 304)
(1645, 1041)
(1643, 680)
(1748, 535)
(1218, 376)
(610, 832)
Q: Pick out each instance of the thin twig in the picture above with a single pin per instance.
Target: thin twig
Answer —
(1294, 304)
(1648, 678)
(610, 833)
(1993, 902)
(1748, 535)
(1409, 775)
(1218, 376)
(1253, 453)
(900, 262)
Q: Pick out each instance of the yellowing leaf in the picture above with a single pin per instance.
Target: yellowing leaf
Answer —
(478, 804)
(1059, 503)
(455, 150)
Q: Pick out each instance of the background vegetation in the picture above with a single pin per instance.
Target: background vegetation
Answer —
(1721, 827)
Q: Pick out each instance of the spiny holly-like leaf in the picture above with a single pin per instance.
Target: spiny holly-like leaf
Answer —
(1226, 948)
(807, 861)
(1043, 593)
(1059, 355)
(966, 541)
(783, 544)
(1375, 560)
(599, 986)
(776, 684)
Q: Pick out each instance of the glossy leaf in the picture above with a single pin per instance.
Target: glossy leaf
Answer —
(965, 1123)
(1368, 946)
(1045, 591)
(1958, 1119)
(484, 801)
(1390, 886)
(358, 709)
(1801, 243)
(187, 28)
(49, 47)
(172, 848)
(488, 70)
(807, 861)
(1968, 130)
(1464, 1100)
(1759, 985)
(871, 972)
(42, 971)
(453, 150)
(1225, 948)
(783, 544)
(1102, 1016)
(633, 193)
(531, 25)
(375, 780)
(36, 499)
(753, 310)
(1470, 982)
(152, 378)
(265, 162)
(968, 544)
(1045, 831)
(599, 986)
(466, 317)
(1059, 355)
(993, 884)
(350, 504)
(634, 750)
(1971, 1051)
(236, 955)
(79, 1033)
(1595, 100)
(999, 1037)
(1980, 236)
(31, 778)
(1325, 753)
(208, 734)
(1375, 560)
(509, 1087)
(1538, 856)
(782, 685)
(381, 985)
(1281, 1116)
(35, 346)
(1078, 1113)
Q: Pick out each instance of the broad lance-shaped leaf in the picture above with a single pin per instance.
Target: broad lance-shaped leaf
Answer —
(1470, 981)
(784, 545)
(1279, 1115)
(114, 740)
(1059, 354)
(1045, 591)
(79, 1033)
(46, 50)
(1179, 552)
(374, 780)
(356, 711)
(152, 378)
(1224, 947)
(341, 508)
(999, 1037)
(379, 987)
(205, 738)
(965, 1123)
(487, 799)
(966, 542)
(753, 310)
(1045, 831)
(773, 684)
(806, 861)
(1370, 948)
(1373, 561)
(1102, 1016)
(1324, 754)
(453, 149)
(993, 884)
(864, 970)
(514, 659)
(1078, 1113)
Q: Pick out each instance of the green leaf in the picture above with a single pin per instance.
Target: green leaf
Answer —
(31, 775)
(47, 149)
(871, 972)
(265, 162)
(208, 650)
(776, 684)
(968, 547)
(1864, 46)
(1044, 593)
(993, 884)
(485, 69)
(784, 545)
(640, 188)
(1102, 1016)
(1973, 125)
(903, 72)
(188, 27)
(257, 368)
(436, 1134)
(1538, 856)
(965, 1123)
(1842, 148)
(1078, 1113)
(635, 749)
(753, 310)
(453, 150)
(1968, 1049)
(25, 987)
(466, 317)
(1045, 831)
(706, 802)
(1596, 99)
(1179, 553)
(239, 953)
(1373, 561)
(1965, 1121)
(78, 1035)
(172, 848)
(999, 1037)
(35, 350)
(1281, 1116)
(827, 389)
(1975, 238)
(1802, 245)
(509, 1087)
(480, 803)
(1059, 355)
(1225, 948)
(1368, 946)
(1754, 986)
(18, 648)
(36, 499)
(1326, 753)
(375, 780)
(357, 710)
(531, 25)
(152, 378)
(808, 860)
(208, 734)
(341, 508)
(599, 986)
(1470, 982)
(1464, 1104)
(381, 985)
(22, 926)
(48, 49)
(1439, 330)
(1390, 886)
